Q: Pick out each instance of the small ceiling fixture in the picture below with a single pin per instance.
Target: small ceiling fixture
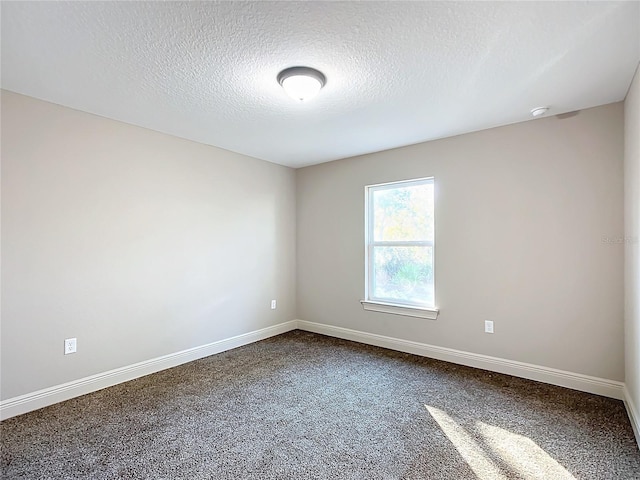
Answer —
(536, 112)
(301, 83)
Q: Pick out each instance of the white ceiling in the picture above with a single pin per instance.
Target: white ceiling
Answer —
(397, 73)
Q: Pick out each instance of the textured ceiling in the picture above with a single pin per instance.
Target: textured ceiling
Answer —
(397, 73)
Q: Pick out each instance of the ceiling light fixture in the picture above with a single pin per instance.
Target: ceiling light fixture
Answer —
(301, 83)
(536, 112)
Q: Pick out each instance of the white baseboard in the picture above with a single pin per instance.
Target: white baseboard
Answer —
(632, 411)
(48, 396)
(576, 381)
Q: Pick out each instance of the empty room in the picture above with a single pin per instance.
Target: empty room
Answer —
(320, 240)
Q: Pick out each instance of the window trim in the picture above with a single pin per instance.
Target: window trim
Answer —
(400, 309)
(384, 305)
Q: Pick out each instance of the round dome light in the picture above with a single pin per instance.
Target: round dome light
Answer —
(301, 83)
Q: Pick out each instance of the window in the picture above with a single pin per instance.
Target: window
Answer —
(399, 248)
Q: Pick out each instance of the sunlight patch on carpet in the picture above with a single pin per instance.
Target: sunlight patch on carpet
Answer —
(522, 454)
(515, 453)
(468, 448)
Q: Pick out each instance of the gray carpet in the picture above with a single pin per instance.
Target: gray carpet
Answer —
(305, 406)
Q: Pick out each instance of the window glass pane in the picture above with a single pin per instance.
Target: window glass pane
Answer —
(404, 213)
(403, 274)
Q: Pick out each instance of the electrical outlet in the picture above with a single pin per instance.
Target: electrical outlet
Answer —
(488, 326)
(273, 304)
(70, 345)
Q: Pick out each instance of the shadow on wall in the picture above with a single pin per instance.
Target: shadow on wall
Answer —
(564, 116)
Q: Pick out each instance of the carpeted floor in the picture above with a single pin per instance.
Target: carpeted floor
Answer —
(305, 406)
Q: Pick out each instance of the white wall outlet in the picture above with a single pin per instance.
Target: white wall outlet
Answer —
(70, 345)
(488, 326)
(273, 304)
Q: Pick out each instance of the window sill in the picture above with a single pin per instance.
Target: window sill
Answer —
(395, 309)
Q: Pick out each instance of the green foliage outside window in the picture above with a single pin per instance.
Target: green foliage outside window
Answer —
(403, 272)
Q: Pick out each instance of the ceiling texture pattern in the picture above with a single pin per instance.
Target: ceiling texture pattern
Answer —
(398, 73)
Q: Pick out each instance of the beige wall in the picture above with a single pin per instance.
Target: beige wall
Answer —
(141, 244)
(528, 219)
(632, 234)
(137, 243)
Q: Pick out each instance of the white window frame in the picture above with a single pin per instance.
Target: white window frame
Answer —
(384, 305)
